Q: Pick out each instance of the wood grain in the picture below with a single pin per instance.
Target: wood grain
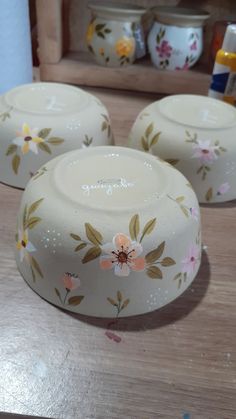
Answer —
(176, 361)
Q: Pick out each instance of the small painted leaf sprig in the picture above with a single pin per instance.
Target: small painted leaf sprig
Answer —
(95, 240)
(39, 173)
(153, 259)
(52, 141)
(172, 162)
(88, 141)
(23, 244)
(189, 263)
(106, 126)
(160, 35)
(179, 200)
(102, 30)
(5, 115)
(119, 303)
(148, 140)
(71, 282)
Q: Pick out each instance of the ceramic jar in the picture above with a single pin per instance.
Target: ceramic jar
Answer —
(196, 134)
(115, 35)
(113, 249)
(175, 40)
(39, 121)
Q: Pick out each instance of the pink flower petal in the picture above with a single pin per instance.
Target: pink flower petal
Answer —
(138, 264)
(105, 263)
(120, 240)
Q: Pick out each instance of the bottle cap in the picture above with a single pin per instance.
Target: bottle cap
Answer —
(229, 43)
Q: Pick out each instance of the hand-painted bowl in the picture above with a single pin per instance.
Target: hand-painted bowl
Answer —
(42, 120)
(113, 248)
(197, 135)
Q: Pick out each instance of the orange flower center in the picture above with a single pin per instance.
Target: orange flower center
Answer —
(28, 138)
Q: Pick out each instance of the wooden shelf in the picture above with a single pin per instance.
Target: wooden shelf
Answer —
(79, 68)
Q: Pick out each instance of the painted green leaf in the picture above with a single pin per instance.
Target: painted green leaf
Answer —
(167, 261)
(154, 272)
(80, 247)
(125, 303)
(188, 134)
(179, 283)
(105, 117)
(108, 131)
(184, 210)
(149, 130)
(155, 139)
(43, 133)
(101, 35)
(158, 39)
(223, 149)
(16, 163)
(24, 216)
(55, 140)
(57, 292)
(16, 237)
(107, 30)
(155, 254)
(180, 199)
(104, 125)
(100, 26)
(217, 142)
(76, 300)
(112, 302)
(148, 228)
(144, 144)
(93, 235)
(119, 296)
(11, 149)
(35, 265)
(173, 162)
(134, 227)
(209, 195)
(75, 236)
(90, 48)
(107, 59)
(44, 147)
(34, 206)
(32, 222)
(92, 253)
(177, 276)
(185, 276)
(33, 274)
(200, 169)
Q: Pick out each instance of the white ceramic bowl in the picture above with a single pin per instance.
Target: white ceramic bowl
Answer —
(114, 248)
(197, 135)
(42, 120)
(175, 40)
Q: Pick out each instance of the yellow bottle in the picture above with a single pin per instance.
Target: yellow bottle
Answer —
(223, 83)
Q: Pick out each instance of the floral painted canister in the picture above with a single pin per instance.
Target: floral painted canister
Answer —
(39, 121)
(196, 134)
(113, 249)
(115, 34)
(175, 40)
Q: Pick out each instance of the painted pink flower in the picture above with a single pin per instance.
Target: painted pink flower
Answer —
(164, 49)
(194, 213)
(193, 46)
(224, 188)
(71, 281)
(204, 151)
(191, 260)
(122, 255)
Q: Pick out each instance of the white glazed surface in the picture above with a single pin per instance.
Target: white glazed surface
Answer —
(197, 135)
(74, 257)
(173, 47)
(115, 36)
(55, 118)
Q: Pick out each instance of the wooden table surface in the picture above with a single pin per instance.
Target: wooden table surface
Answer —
(178, 362)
